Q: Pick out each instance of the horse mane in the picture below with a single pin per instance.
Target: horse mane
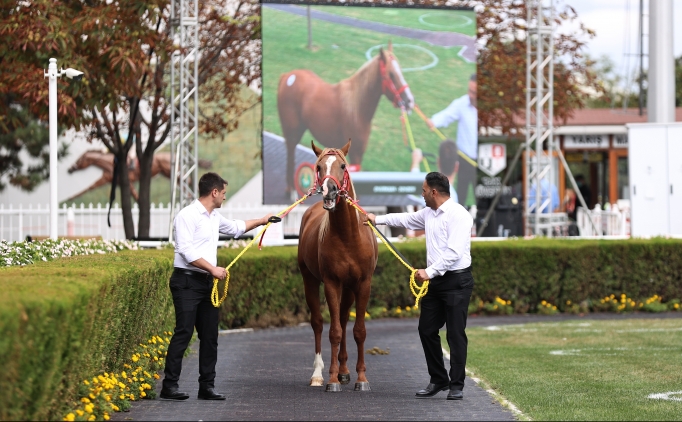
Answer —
(358, 85)
(324, 223)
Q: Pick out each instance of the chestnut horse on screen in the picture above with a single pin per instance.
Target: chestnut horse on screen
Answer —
(336, 249)
(336, 113)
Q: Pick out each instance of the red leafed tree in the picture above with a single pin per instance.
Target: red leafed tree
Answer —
(124, 49)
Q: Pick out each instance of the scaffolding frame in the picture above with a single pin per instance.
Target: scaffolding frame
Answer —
(185, 105)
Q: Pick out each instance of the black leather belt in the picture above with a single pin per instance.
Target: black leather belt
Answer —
(195, 274)
(460, 271)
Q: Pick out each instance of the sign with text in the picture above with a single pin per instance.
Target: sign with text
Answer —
(620, 141)
(492, 158)
(586, 142)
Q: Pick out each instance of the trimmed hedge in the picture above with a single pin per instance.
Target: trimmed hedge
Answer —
(266, 287)
(67, 320)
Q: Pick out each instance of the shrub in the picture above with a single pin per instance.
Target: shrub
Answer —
(66, 320)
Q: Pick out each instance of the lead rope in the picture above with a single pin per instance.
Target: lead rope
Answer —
(215, 294)
(417, 290)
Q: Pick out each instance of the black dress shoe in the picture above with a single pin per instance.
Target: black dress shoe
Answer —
(432, 390)
(209, 394)
(172, 394)
(455, 395)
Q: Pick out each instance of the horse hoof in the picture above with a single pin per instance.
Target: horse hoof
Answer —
(362, 386)
(333, 388)
(344, 378)
(316, 382)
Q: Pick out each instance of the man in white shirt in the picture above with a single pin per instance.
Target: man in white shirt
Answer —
(448, 258)
(464, 111)
(197, 229)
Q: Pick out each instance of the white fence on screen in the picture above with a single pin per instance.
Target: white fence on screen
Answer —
(16, 223)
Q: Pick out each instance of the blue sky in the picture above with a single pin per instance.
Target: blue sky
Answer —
(617, 30)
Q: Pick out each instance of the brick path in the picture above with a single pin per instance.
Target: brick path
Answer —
(265, 376)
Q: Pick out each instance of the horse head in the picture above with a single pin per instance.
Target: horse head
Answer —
(331, 174)
(393, 82)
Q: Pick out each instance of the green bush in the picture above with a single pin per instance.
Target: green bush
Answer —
(66, 320)
(266, 287)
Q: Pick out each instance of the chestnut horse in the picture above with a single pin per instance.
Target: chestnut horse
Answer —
(336, 113)
(336, 249)
(105, 161)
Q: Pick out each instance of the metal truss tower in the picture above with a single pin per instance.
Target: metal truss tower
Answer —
(540, 168)
(185, 107)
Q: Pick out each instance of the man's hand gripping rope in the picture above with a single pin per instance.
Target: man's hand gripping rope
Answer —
(215, 294)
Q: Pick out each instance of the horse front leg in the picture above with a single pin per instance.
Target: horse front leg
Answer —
(312, 297)
(332, 292)
(360, 334)
(347, 300)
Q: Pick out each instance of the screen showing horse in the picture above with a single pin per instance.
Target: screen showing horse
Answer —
(398, 82)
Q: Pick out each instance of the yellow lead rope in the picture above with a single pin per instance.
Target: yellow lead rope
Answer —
(417, 290)
(215, 294)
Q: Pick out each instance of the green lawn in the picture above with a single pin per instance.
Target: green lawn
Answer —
(583, 370)
(460, 21)
(339, 51)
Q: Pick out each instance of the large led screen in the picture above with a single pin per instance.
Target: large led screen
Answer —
(399, 82)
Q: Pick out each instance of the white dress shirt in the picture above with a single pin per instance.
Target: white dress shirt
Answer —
(462, 111)
(197, 233)
(448, 235)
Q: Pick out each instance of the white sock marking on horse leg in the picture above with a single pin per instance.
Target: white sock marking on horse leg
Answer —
(316, 380)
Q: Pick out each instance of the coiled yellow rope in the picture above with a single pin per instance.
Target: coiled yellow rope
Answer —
(417, 290)
(215, 294)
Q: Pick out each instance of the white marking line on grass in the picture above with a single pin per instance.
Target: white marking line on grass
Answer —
(666, 396)
(497, 396)
(236, 330)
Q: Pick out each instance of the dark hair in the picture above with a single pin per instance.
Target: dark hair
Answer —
(439, 182)
(210, 181)
(447, 156)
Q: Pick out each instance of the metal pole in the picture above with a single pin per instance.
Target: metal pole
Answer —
(52, 75)
(641, 56)
(661, 87)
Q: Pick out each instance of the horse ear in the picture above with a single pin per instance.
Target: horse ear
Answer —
(382, 55)
(316, 150)
(345, 148)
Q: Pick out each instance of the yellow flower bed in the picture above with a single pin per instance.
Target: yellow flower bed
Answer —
(113, 392)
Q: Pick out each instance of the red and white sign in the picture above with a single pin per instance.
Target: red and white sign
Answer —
(492, 158)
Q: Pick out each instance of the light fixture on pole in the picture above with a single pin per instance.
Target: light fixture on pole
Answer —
(52, 73)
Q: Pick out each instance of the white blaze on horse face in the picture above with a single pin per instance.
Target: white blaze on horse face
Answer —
(291, 79)
(408, 93)
(329, 163)
(318, 366)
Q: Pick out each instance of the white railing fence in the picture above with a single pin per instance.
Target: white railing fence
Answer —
(91, 220)
(612, 222)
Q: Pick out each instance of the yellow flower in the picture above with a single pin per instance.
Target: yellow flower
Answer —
(122, 397)
(85, 400)
(143, 394)
(135, 358)
(106, 416)
(70, 417)
(92, 418)
(116, 409)
(79, 412)
(398, 310)
(156, 376)
(86, 382)
(568, 302)
(367, 314)
(89, 408)
(407, 308)
(156, 358)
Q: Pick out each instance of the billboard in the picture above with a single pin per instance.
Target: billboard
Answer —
(399, 82)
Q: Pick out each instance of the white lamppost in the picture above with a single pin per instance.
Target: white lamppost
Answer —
(53, 74)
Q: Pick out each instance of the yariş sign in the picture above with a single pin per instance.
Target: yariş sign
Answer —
(492, 158)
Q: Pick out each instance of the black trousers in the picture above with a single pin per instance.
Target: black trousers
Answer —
(447, 302)
(193, 308)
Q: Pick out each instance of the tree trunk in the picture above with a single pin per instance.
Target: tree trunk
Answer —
(126, 203)
(144, 193)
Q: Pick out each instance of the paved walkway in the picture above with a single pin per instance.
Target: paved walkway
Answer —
(265, 376)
